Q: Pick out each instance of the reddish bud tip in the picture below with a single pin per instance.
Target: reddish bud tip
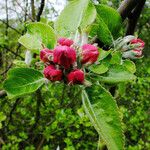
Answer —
(65, 42)
(52, 73)
(76, 77)
(90, 54)
(65, 56)
(138, 41)
(46, 55)
(133, 54)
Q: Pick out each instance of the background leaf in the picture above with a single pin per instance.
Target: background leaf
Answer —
(99, 69)
(89, 16)
(37, 34)
(100, 29)
(22, 81)
(116, 74)
(102, 110)
(77, 13)
(31, 42)
(111, 18)
(103, 54)
(130, 66)
(116, 57)
(108, 24)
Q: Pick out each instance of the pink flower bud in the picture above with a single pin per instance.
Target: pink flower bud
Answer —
(76, 77)
(133, 54)
(46, 55)
(138, 42)
(90, 54)
(52, 73)
(65, 42)
(65, 56)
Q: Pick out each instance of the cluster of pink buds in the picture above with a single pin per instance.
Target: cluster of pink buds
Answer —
(137, 46)
(66, 61)
(130, 46)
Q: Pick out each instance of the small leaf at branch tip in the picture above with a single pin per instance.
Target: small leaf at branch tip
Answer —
(40, 33)
(82, 17)
(87, 83)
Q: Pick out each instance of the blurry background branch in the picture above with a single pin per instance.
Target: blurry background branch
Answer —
(134, 16)
(126, 7)
(40, 10)
(131, 9)
(9, 26)
(52, 124)
(33, 10)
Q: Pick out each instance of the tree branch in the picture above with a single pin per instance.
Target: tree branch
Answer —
(40, 10)
(10, 26)
(6, 70)
(33, 10)
(126, 7)
(37, 114)
(24, 10)
(134, 16)
(16, 54)
(7, 20)
(12, 110)
(18, 47)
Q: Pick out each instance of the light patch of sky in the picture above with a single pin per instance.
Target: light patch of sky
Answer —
(13, 7)
(2, 14)
(58, 6)
(15, 11)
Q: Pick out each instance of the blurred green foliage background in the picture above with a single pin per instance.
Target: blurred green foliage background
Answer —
(64, 124)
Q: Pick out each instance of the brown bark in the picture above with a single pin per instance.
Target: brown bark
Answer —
(40, 10)
(134, 16)
(7, 21)
(33, 10)
(126, 7)
(131, 9)
(26, 10)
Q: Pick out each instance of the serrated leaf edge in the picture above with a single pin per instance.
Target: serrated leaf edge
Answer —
(107, 142)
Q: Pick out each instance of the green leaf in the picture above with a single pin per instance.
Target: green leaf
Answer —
(103, 54)
(89, 16)
(101, 30)
(37, 34)
(2, 116)
(108, 24)
(121, 89)
(116, 57)
(111, 18)
(78, 13)
(99, 69)
(117, 74)
(103, 113)
(106, 61)
(130, 66)
(43, 32)
(31, 42)
(22, 81)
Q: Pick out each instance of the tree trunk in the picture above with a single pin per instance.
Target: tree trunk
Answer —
(33, 10)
